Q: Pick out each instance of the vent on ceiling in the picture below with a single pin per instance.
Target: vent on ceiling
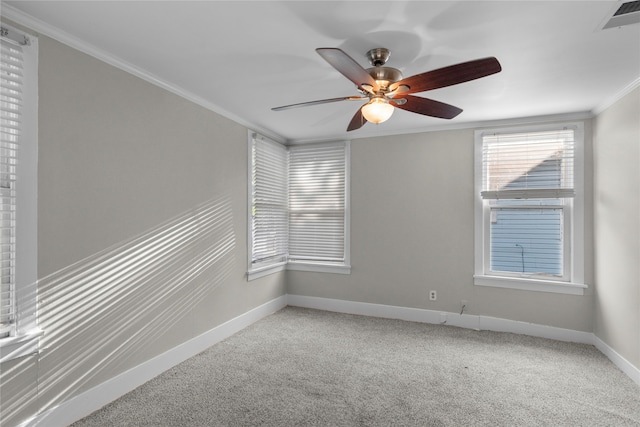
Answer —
(628, 13)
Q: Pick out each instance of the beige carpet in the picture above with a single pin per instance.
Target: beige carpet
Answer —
(301, 367)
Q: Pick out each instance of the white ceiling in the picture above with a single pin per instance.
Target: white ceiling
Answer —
(242, 58)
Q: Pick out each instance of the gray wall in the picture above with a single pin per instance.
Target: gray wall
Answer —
(135, 183)
(617, 226)
(412, 231)
(121, 162)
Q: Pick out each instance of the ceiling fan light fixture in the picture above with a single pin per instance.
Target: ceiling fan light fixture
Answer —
(377, 110)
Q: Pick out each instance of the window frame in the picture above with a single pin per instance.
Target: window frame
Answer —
(572, 281)
(263, 267)
(24, 336)
(329, 266)
(256, 270)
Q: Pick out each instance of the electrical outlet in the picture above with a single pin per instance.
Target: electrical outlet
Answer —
(432, 295)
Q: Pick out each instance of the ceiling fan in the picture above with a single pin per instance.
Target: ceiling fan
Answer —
(384, 88)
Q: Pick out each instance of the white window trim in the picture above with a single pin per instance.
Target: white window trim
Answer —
(26, 336)
(319, 268)
(337, 267)
(255, 272)
(573, 282)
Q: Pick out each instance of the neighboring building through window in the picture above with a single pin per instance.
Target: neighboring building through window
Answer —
(18, 193)
(529, 208)
(299, 200)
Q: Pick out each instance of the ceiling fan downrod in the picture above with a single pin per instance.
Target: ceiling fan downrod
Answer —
(378, 56)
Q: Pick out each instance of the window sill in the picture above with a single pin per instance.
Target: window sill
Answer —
(259, 272)
(319, 267)
(530, 284)
(22, 345)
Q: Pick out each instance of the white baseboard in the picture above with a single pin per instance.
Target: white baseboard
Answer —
(92, 400)
(95, 398)
(365, 309)
(535, 330)
(466, 321)
(623, 364)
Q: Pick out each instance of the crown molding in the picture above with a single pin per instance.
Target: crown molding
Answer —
(515, 121)
(617, 97)
(41, 27)
(57, 34)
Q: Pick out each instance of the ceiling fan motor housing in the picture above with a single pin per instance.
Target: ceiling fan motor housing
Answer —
(383, 75)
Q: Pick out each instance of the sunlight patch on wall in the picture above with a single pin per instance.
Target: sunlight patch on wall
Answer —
(18, 395)
(100, 312)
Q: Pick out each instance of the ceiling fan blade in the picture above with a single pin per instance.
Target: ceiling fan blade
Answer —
(348, 67)
(451, 75)
(428, 107)
(357, 121)
(321, 101)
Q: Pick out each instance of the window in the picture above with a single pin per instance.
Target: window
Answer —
(269, 193)
(18, 193)
(529, 208)
(299, 216)
(318, 220)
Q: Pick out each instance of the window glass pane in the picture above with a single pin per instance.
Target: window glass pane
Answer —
(317, 236)
(528, 165)
(269, 202)
(527, 240)
(317, 202)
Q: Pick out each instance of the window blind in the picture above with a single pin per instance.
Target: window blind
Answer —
(317, 200)
(11, 84)
(528, 165)
(269, 201)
